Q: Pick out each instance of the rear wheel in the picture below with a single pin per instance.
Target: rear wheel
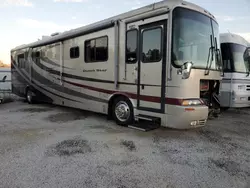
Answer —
(29, 96)
(122, 111)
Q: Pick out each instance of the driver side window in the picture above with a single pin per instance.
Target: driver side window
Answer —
(226, 58)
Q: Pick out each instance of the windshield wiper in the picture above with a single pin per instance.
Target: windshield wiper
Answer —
(210, 60)
(218, 56)
(247, 65)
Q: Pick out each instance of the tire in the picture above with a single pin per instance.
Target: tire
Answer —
(29, 96)
(122, 111)
(223, 109)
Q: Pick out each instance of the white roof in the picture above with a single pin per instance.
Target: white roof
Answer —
(170, 4)
(233, 38)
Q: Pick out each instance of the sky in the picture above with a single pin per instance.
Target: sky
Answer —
(25, 21)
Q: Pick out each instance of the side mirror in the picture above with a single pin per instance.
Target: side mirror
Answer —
(246, 57)
(186, 69)
(247, 54)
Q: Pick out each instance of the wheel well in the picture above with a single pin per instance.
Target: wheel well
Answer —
(111, 101)
(28, 87)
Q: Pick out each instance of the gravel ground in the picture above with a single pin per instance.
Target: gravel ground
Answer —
(50, 146)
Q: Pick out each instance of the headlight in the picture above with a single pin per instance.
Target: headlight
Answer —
(191, 102)
(241, 87)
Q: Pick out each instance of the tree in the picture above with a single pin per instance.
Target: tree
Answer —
(3, 65)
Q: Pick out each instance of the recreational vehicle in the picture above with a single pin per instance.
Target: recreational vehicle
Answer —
(158, 63)
(235, 86)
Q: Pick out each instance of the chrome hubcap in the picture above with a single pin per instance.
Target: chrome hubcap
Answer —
(122, 111)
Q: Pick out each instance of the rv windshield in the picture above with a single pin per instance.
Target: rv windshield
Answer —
(191, 38)
(232, 55)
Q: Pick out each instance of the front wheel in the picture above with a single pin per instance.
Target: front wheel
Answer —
(123, 112)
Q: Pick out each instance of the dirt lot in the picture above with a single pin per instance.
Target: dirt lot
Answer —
(49, 146)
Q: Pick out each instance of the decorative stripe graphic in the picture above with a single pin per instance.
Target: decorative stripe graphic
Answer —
(24, 76)
(172, 101)
(236, 81)
(6, 71)
(46, 82)
(47, 60)
(65, 89)
(52, 71)
(62, 89)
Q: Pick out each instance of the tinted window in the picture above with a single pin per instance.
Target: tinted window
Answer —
(131, 46)
(238, 60)
(74, 52)
(96, 50)
(21, 61)
(226, 58)
(36, 56)
(232, 56)
(152, 45)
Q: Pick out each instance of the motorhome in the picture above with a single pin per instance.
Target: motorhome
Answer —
(158, 63)
(235, 86)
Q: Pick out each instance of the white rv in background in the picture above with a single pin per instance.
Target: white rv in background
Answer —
(5, 82)
(156, 63)
(235, 87)
(5, 79)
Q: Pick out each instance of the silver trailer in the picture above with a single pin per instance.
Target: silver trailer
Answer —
(235, 87)
(158, 63)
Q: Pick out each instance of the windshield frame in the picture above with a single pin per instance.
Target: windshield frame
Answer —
(232, 58)
(211, 20)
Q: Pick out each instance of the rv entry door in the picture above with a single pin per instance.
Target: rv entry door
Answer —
(152, 66)
(146, 47)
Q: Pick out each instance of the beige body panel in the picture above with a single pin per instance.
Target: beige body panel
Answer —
(90, 86)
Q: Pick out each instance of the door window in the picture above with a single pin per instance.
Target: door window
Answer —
(152, 45)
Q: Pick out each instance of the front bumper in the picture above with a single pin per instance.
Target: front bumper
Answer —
(234, 100)
(187, 119)
(240, 101)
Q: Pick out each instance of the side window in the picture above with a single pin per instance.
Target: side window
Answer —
(227, 65)
(96, 50)
(152, 45)
(36, 57)
(74, 52)
(226, 57)
(21, 61)
(131, 46)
